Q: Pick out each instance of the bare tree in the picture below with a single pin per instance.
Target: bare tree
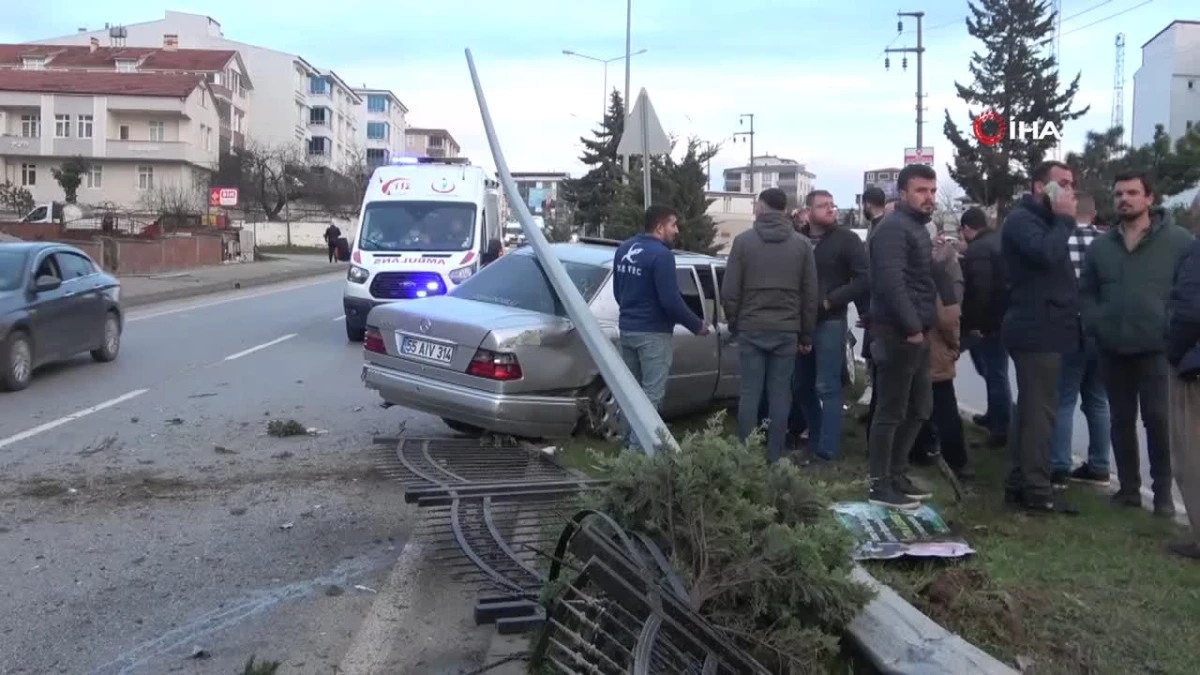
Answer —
(175, 204)
(949, 205)
(267, 177)
(340, 192)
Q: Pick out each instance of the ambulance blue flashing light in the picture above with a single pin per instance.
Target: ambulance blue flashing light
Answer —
(405, 159)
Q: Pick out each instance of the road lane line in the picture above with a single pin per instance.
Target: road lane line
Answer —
(264, 345)
(30, 433)
(339, 318)
(202, 305)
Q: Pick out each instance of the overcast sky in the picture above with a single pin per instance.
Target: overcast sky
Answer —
(812, 72)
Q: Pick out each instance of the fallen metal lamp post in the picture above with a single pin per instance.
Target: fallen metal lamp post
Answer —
(645, 422)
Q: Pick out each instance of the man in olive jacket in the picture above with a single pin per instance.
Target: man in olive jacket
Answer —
(1124, 290)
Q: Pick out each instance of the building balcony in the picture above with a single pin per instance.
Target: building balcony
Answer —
(159, 151)
(21, 145)
(146, 104)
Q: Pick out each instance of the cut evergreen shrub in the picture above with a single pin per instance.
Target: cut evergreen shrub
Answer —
(755, 543)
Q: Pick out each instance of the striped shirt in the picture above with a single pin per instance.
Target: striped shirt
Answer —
(1078, 245)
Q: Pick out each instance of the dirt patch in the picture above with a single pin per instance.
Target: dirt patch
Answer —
(961, 594)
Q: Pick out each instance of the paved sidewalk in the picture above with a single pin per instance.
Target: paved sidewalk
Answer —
(144, 289)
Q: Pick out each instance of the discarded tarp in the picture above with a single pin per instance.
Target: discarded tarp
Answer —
(885, 534)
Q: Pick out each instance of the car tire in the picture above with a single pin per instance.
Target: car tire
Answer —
(16, 361)
(111, 347)
(355, 333)
(603, 413)
(463, 428)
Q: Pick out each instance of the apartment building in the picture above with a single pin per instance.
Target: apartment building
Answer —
(430, 143)
(229, 82)
(284, 85)
(884, 179)
(141, 133)
(539, 191)
(382, 122)
(770, 171)
(1166, 87)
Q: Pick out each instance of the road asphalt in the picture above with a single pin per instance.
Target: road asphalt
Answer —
(148, 523)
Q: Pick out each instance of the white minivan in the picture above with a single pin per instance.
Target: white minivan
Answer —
(426, 225)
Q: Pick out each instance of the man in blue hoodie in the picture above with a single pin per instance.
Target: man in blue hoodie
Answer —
(647, 291)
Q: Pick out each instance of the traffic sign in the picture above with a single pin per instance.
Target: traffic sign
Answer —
(918, 156)
(644, 133)
(222, 196)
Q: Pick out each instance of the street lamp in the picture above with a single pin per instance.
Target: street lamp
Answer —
(605, 63)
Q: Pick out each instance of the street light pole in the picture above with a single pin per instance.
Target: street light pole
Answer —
(750, 134)
(628, 56)
(919, 50)
(605, 63)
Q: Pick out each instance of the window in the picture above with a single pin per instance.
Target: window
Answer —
(237, 122)
(317, 85)
(870, 177)
(787, 175)
(28, 175)
(318, 145)
(686, 278)
(33, 63)
(318, 116)
(73, 265)
(205, 138)
(85, 126)
(126, 65)
(31, 126)
(62, 126)
(377, 103)
(376, 156)
(94, 179)
(123, 132)
(377, 131)
(47, 268)
(145, 178)
(418, 226)
(158, 131)
(12, 269)
(434, 141)
(518, 281)
(709, 287)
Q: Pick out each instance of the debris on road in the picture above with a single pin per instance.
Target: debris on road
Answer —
(334, 591)
(222, 450)
(287, 526)
(313, 431)
(365, 589)
(175, 421)
(200, 653)
(286, 428)
(282, 455)
(107, 443)
(203, 395)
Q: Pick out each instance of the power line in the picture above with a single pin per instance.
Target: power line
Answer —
(1081, 13)
(1110, 16)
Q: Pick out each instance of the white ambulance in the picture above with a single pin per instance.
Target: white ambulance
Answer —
(426, 225)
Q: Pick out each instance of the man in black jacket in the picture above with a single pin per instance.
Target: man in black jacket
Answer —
(841, 279)
(1041, 323)
(984, 302)
(903, 310)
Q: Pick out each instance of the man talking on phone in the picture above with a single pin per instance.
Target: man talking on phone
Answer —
(1041, 323)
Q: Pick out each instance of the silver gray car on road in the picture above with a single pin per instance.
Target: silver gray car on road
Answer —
(499, 354)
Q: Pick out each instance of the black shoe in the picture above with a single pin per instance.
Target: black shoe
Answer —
(1050, 506)
(1059, 479)
(906, 487)
(1185, 549)
(1164, 508)
(1131, 499)
(980, 420)
(885, 495)
(1086, 473)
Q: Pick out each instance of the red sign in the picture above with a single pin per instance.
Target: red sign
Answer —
(396, 185)
(219, 196)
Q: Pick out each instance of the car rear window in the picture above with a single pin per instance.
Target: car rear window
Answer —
(519, 281)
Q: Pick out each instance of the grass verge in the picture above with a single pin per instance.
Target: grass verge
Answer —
(1094, 593)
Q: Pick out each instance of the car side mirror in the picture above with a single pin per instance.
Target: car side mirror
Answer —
(46, 283)
(494, 249)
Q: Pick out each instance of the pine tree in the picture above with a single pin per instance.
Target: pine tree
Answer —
(1016, 79)
(679, 184)
(593, 197)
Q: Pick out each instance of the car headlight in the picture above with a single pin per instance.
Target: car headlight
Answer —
(357, 274)
(462, 274)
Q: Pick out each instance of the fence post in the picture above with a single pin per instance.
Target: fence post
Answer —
(644, 420)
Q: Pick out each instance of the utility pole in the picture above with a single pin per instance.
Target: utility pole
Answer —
(919, 50)
(1118, 102)
(747, 135)
(628, 56)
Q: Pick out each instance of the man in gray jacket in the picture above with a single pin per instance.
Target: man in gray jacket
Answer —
(903, 310)
(770, 298)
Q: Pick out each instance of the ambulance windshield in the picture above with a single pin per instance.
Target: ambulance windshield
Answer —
(418, 226)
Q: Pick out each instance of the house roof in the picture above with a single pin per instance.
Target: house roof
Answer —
(148, 58)
(1176, 22)
(166, 85)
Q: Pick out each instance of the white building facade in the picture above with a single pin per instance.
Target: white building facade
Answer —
(430, 143)
(382, 122)
(771, 172)
(1166, 87)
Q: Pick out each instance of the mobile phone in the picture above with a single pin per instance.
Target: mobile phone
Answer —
(1051, 193)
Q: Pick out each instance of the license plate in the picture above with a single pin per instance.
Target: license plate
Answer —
(423, 349)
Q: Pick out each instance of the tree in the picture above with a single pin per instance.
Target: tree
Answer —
(267, 177)
(70, 176)
(593, 196)
(1015, 78)
(15, 198)
(949, 204)
(175, 204)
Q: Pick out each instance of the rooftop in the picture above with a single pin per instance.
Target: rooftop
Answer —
(149, 58)
(168, 85)
(418, 131)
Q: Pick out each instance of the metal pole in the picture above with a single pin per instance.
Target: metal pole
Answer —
(643, 418)
(752, 190)
(920, 86)
(646, 196)
(628, 43)
(604, 110)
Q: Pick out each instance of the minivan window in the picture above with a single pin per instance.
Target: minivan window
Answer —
(519, 281)
(12, 269)
(418, 226)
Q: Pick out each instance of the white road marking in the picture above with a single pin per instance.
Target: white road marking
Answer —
(339, 318)
(202, 305)
(264, 345)
(30, 433)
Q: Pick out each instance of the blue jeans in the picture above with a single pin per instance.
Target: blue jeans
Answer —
(648, 358)
(991, 362)
(1080, 379)
(818, 386)
(767, 359)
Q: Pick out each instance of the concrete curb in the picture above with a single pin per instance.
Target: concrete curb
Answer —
(228, 285)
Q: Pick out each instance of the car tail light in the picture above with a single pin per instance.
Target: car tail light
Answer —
(373, 341)
(494, 366)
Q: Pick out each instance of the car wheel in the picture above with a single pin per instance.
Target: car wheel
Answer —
(604, 413)
(16, 360)
(111, 346)
(355, 333)
(463, 428)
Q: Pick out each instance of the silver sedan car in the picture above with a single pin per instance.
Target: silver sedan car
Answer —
(499, 354)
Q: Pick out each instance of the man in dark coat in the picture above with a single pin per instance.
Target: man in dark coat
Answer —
(1041, 323)
(984, 301)
(331, 240)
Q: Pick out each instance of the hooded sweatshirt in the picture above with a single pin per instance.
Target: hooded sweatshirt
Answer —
(647, 290)
(771, 279)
